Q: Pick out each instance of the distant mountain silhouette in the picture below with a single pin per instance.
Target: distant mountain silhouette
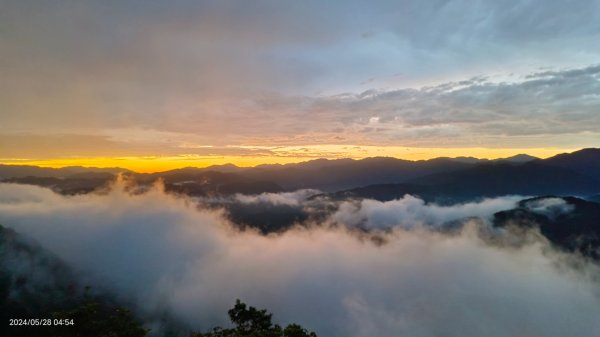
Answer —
(199, 182)
(229, 168)
(519, 158)
(333, 175)
(467, 160)
(532, 178)
(483, 180)
(586, 161)
(576, 173)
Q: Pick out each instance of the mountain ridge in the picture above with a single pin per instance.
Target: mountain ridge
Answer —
(575, 173)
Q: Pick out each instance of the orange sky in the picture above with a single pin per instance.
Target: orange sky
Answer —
(152, 88)
(284, 155)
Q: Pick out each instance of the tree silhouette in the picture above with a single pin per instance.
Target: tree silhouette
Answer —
(251, 322)
(94, 318)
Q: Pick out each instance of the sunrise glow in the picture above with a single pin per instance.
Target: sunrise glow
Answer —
(286, 155)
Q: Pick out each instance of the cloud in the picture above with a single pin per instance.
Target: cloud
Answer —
(271, 212)
(295, 198)
(552, 106)
(165, 254)
(551, 207)
(235, 73)
(410, 212)
(548, 109)
(118, 144)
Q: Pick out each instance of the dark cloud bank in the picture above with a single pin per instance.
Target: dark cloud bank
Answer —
(164, 253)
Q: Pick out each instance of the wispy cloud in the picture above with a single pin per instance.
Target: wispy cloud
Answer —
(546, 109)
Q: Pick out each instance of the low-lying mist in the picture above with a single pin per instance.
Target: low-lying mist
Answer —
(165, 254)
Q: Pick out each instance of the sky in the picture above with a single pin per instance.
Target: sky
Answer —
(152, 85)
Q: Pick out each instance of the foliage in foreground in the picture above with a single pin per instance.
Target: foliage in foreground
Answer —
(251, 322)
(95, 319)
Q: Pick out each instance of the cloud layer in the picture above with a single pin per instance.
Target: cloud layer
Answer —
(410, 212)
(165, 254)
(155, 79)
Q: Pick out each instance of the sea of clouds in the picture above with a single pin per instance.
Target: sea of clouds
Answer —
(165, 254)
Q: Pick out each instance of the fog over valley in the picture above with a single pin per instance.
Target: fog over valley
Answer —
(369, 267)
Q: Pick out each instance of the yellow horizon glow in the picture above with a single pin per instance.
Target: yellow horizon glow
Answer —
(283, 155)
